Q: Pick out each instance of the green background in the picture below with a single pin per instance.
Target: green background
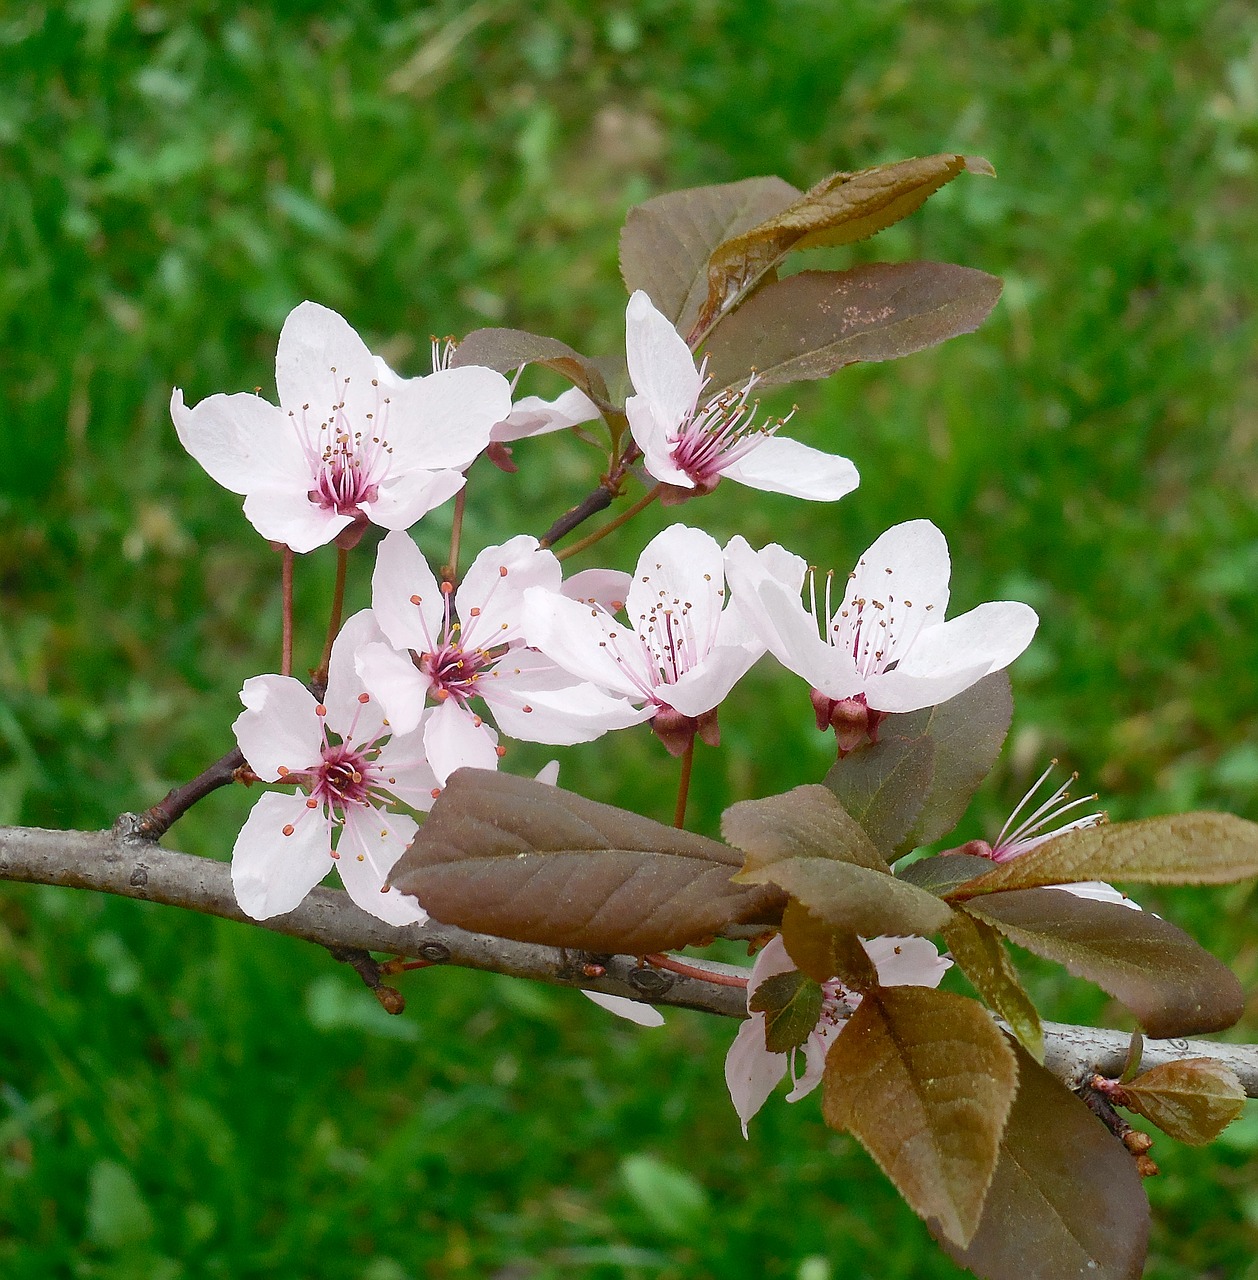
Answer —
(181, 1097)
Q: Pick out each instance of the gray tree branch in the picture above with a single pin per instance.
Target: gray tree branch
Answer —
(132, 867)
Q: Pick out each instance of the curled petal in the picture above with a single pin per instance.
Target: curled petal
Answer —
(751, 1071)
(644, 1015)
(533, 416)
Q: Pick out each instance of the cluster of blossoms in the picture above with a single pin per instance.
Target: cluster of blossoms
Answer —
(426, 680)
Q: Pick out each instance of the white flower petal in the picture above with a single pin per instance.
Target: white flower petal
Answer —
(400, 577)
(661, 366)
(242, 441)
(990, 636)
(443, 422)
(681, 570)
(393, 679)
(585, 641)
(289, 517)
(490, 597)
(455, 738)
(533, 416)
(371, 843)
(407, 774)
(656, 437)
(908, 565)
(644, 1015)
(322, 362)
(781, 465)
(751, 1071)
(344, 699)
(278, 727)
(1098, 891)
(272, 873)
(906, 962)
(407, 497)
(608, 588)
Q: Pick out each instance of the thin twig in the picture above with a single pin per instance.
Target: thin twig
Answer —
(286, 612)
(599, 534)
(153, 823)
(456, 532)
(599, 500)
(683, 785)
(319, 677)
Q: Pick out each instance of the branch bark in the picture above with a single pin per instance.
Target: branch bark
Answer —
(132, 867)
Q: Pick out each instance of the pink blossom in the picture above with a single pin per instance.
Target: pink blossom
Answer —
(1034, 829)
(348, 768)
(683, 648)
(351, 441)
(460, 649)
(691, 445)
(752, 1072)
(885, 647)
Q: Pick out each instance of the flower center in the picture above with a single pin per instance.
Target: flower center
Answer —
(344, 777)
(454, 671)
(871, 630)
(348, 461)
(716, 436)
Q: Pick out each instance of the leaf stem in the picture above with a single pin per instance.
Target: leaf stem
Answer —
(612, 525)
(319, 678)
(673, 965)
(683, 785)
(451, 571)
(286, 614)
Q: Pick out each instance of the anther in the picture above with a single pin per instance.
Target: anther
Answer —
(321, 710)
(364, 698)
(288, 828)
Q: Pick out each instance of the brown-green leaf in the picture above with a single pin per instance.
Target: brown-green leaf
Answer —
(666, 242)
(508, 349)
(1193, 1099)
(854, 898)
(519, 859)
(964, 734)
(808, 822)
(981, 956)
(823, 952)
(1066, 1201)
(884, 787)
(791, 1004)
(1172, 985)
(840, 209)
(924, 1081)
(945, 871)
(1186, 848)
(811, 324)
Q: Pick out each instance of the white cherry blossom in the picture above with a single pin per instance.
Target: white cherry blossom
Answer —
(752, 1072)
(350, 443)
(348, 767)
(458, 649)
(690, 444)
(682, 650)
(884, 647)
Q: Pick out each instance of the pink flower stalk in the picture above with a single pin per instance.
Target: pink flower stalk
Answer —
(457, 649)
(350, 443)
(752, 1072)
(348, 768)
(1035, 829)
(690, 446)
(885, 647)
(682, 650)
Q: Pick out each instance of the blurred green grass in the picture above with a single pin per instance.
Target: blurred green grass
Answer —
(180, 1098)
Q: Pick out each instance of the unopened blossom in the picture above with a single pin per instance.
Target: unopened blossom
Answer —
(682, 650)
(349, 769)
(1025, 831)
(752, 1071)
(884, 645)
(460, 649)
(350, 443)
(690, 443)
